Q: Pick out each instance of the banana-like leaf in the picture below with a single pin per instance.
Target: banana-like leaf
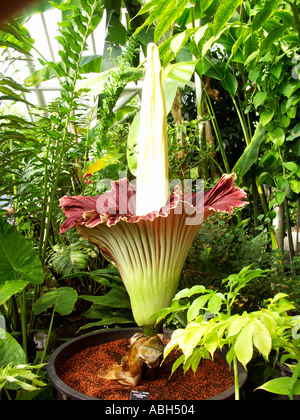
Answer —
(250, 154)
(102, 163)
(217, 70)
(88, 64)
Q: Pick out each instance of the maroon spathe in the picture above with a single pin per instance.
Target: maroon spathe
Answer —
(119, 204)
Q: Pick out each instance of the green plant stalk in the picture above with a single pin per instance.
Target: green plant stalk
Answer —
(229, 304)
(48, 338)
(217, 133)
(23, 309)
(7, 394)
(242, 120)
(236, 379)
(45, 199)
(289, 229)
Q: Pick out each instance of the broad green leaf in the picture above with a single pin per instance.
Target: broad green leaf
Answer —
(10, 288)
(117, 297)
(177, 42)
(45, 73)
(204, 4)
(277, 136)
(295, 186)
(211, 342)
(291, 166)
(163, 13)
(18, 260)
(189, 292)
(251, 45)
(10, 350)
(216, 69)
(250, 154)
(36, 7)
(275, 35)
(261, 338)
(116, 31)
(289, 88)
(266, 117)
(243, 346)
(269, 322)
(281, 386)
(196, 306)
(194, 333)
(236, 325)
(200, 33)
(276, 69)
(102, 163)
(63, 300)
(294, 133)
(15, 46)
(176, 76)
(248, 61)
(224, 12)
(214, 304)
(259, 98)
(278, 297)
(279, 197)
(181, 73)
(172, 12)
(107, 317)
(263, 15)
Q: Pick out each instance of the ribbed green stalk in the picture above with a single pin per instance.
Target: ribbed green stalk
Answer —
(149, 256)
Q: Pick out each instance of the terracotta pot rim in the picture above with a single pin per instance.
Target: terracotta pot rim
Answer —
(75, 345)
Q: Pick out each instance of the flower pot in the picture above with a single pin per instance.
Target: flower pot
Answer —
(74, 346)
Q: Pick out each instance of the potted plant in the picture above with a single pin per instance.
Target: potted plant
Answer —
(143, 229)
(270, 328)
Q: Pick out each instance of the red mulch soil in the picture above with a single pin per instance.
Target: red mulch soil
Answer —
(79, 372)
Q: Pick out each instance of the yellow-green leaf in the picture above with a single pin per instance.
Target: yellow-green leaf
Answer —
(261, 338)
(102, 163)
(243, 347)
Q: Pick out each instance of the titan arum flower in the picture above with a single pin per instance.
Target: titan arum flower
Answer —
(146, 232)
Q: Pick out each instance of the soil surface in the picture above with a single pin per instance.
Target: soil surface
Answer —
(80, 373)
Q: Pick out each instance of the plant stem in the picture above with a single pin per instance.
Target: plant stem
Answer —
(48, 337)
(217, 133)
(236, 379)
(7, 394)
(242, 120)
(22, 303)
